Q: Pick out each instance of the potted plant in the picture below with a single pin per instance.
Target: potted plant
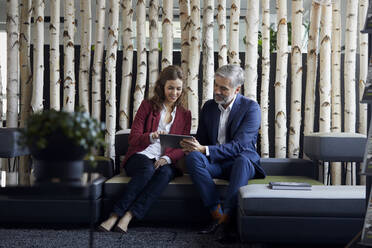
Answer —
(59, 141)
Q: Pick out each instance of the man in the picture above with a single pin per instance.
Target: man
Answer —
(224, 146)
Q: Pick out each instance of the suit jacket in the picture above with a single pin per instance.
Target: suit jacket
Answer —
(241, 134)
(147, 120)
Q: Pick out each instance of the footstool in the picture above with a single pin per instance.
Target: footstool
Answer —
(325, 214)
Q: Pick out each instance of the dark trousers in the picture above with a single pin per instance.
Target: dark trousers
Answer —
(237, 171)
(145, 186)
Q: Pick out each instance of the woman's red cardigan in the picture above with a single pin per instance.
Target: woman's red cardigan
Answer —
(146, 121)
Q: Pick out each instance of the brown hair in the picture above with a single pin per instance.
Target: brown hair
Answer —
(172, 72)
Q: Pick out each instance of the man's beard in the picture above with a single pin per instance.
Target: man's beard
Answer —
(225, 99)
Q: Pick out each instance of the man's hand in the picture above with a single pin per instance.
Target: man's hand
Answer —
(159, 163)
(190, 145)
(155, 135)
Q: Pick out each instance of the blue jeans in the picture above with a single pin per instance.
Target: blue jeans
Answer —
(145, 186)
(237, 171)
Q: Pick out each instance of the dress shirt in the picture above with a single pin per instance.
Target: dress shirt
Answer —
(224, 116)
(154, 151)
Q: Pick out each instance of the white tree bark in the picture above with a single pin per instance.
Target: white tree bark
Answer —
(296, 78)
(139, 91)
(251, 52)
(281, 80)
(126, 81)
(85, 50)
(24, 60)
(208, 50)
(185, 30)
(69, 60)
(336, 84)
(1, 103)
(363, 71)
(312, 58)
(154, 46)
(194, 59)
(98, 59)
(167, 30)
(233, 52)
(12, 93)
(265, 81)
(38, 35)
(325, 74)
(112, 46)
(26, 81)
(221, 21)
(349, 77)
(55, 80)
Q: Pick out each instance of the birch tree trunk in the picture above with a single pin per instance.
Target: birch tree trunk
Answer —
(126, 81)
(208, 50)
(38, 80)
(349, 77)
(1, 104)
(167, 30)
(325, 76)
(336, 83)
(86, 41)
(26, 81)
(55, 80)
(194, 59)
(251, 52)
(281, 80)
(221, 21)
(12, 93)
(363, 71)
(312, 60)
(112, 47)
(185, 30)
(153, 43)
(139, 91)
(265, 81)
(234, 32)
(296, 82)
(69, 61)
(24, 60)
(98, 59)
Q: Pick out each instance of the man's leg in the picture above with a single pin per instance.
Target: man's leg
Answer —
(141, 169)
(202, 174)
(240, 171)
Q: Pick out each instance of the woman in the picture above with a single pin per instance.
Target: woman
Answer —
(150, 169)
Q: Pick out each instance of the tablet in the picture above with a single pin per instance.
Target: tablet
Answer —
(172, 140)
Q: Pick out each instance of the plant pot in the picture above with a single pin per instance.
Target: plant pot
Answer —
(60, 171)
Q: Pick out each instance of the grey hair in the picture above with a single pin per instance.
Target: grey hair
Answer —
(233, 72)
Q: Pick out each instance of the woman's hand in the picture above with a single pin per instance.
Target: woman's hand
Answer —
(155, 135)
(160, 162)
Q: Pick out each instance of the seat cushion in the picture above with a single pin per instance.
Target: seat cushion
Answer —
(180, 187)
(329, 201)
(9, 146)
(335, 146)
(268, 179)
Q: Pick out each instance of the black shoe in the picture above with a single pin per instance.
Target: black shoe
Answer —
(226, 235)
(211, 228)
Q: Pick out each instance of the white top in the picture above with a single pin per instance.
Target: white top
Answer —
(224, 116)
(154, 151)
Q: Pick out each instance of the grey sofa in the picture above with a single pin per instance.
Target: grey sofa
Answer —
(180, 201)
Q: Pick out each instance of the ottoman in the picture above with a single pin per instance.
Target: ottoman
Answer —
(325, 214)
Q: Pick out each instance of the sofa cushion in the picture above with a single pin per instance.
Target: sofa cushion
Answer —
(329, 201)
(180, 187)
(268, 179)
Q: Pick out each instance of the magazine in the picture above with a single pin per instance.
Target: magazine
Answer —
(290, 185)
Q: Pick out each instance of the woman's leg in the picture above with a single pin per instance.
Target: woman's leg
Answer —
(152, 191)
(141, 169)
